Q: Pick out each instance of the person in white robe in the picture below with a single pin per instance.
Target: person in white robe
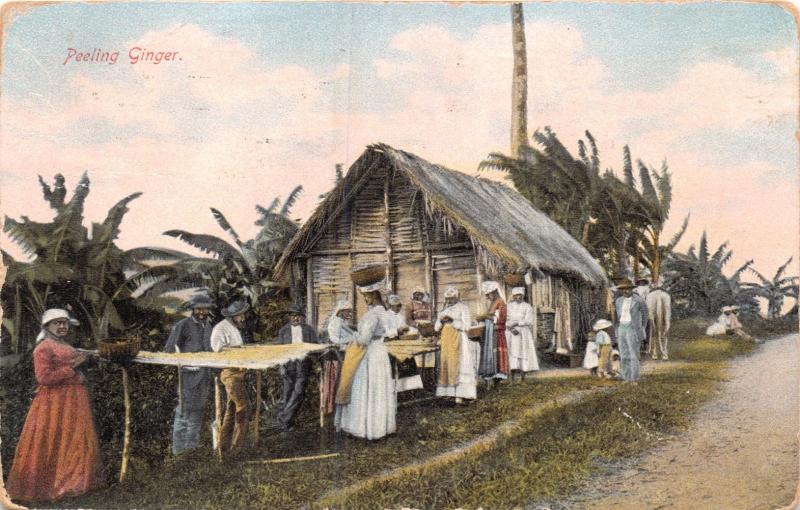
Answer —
(457, 315)
(520, 324)
(340, 331)
(368, 410)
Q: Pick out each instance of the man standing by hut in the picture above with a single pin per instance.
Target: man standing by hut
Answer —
(631, 322)
(294, 373)
(520, 326)
(227, 335)
(191, 334)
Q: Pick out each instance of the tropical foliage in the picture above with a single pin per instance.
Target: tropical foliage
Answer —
(698, 284)
(242, 270)
(69, 268)
(774, 290)
(618, 220)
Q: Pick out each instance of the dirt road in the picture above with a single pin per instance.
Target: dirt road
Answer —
(740, 453)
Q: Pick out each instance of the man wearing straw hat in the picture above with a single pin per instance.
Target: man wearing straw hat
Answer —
(191, 334)
(294, 373)
(632, 319)
(227, 335)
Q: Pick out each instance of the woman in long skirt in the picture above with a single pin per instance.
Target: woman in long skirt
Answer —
(58, 454)
(366, 398)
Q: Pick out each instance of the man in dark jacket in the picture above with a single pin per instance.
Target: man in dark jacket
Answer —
(191, 334)
(294, 373)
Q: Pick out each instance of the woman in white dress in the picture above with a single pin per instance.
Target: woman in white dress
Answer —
(369, 408)
(520, 326)
(456, 314)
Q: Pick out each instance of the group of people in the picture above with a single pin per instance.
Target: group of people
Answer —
(632, 320)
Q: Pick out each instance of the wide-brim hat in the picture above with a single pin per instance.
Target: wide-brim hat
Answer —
(642, 279)
(235, 308)
(727, 309)
(199, 301)
(296, 310)
(602, 324)
(625, 284)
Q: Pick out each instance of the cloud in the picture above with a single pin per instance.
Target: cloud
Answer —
(226, 127)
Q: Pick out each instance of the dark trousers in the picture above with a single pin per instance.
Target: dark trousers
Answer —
(295, 377)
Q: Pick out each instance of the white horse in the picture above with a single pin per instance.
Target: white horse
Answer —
(659, 306)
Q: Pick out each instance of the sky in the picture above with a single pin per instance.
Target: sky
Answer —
(261, 97)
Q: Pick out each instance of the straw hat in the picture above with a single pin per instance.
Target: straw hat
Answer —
(624, 284)
(235, 308)
(57, 313)
(602, 324)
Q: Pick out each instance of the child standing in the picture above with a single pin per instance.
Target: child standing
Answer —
(603, 342)
(590, 358)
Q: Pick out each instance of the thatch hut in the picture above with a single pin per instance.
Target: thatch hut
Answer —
(433, 227)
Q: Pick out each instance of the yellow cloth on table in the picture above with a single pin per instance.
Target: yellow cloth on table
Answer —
(352, 358)
(450, 344)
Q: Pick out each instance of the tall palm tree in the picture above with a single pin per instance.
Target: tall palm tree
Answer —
(774, 290)
(519, 83)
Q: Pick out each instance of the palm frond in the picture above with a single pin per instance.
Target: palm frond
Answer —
(226, 226)
(781, 269)
(143, 253)
(678, 235)
(664, 185)
(208, 244)
(290, 200)
(627, 166)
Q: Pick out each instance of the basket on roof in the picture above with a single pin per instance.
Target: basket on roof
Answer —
(368, 275)
(514, 279)
(119, 350)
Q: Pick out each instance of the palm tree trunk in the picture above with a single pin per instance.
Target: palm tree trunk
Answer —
(519, 84)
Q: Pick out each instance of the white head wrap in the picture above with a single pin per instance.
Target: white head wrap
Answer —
(518, 291)
(51, 315)
(393, 300)
(451, 292)
(489, 286)
(342, 304)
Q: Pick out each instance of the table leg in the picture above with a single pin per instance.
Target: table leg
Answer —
(123, 470)
(257, 417)
(217, 414)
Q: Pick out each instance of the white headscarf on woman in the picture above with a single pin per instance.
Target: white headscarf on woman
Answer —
(51, 315)
(490, 285)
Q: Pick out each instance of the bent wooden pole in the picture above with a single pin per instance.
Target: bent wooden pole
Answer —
(123, 470)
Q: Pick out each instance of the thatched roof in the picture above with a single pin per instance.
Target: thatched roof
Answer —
(498, 219)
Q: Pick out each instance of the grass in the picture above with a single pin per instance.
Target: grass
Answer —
(545, 456)
(424, 430)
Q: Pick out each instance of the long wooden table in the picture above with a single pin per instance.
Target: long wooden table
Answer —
(251, 357)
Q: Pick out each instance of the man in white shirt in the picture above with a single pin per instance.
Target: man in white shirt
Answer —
(227, 335)
(632, 316)
(294, 373)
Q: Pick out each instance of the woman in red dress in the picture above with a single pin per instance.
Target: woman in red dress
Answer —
(498, 311)
(58, 454)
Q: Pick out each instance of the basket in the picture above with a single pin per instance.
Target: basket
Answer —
(514, 279)
(119, 350)
(425, 328)
(476, 331)
(368, 275)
